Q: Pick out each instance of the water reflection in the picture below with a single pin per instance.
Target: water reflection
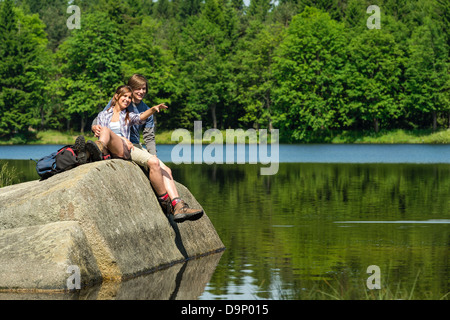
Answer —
(283, 241)
(311, 231)
(182, 281)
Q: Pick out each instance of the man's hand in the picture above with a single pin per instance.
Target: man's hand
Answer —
(159, 107)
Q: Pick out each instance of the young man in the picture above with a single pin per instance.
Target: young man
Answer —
(159, 174)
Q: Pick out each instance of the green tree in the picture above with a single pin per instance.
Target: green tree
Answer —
(23, 70)
(204, 58)
(428, 77)
(334, 8)
(147, 55)
(162, 9)
(309, 69)
(355, 15)
(376, 65)
(255, 81)
(284, 11)
(442, 10)
(260, 9)
(189, 8)
(53, 14)
(91, 67)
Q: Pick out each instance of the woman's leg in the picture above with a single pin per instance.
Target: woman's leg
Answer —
(111, 141)
(181, 210)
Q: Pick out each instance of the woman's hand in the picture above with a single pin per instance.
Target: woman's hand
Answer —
(96, 130)
(129, 144)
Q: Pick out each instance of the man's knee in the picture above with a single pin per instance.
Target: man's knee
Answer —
(153, 163)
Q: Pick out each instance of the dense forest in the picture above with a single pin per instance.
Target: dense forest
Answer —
(308, 68)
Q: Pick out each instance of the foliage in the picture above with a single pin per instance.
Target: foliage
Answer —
(374, 89)
(7, 176)
(91, 60)
(23, 70)
(309, 72)
(427, 72)
(309, 68)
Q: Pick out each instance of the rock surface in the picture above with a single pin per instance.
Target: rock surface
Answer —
(103, 218)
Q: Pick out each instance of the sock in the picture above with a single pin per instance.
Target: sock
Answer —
(163, 197)
(175, 201)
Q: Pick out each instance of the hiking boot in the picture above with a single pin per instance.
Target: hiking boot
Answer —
(95, 150)
(80, 148)
(182, 212)
(166, 206)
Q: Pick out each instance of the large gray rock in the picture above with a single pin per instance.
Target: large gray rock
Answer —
(103, 218)
(42, 257)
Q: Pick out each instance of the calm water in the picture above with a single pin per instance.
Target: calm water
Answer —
(312, 230)
(315, 153)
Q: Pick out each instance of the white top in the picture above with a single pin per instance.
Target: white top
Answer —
(115, 127)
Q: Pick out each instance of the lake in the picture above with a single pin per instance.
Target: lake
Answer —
(310, 231)
(314, 153)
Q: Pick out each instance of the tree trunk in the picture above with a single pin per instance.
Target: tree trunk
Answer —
(376, 125)
(83, 123)
(434, 121)
(213, 115)
(41, 127)
(269, 104)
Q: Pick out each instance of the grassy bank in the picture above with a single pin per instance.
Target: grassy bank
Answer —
(165, 137)
(351, 137)
(49, 137)
(394, 137)
(8, 176)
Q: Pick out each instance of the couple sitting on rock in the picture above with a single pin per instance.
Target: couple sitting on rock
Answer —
(118, 130)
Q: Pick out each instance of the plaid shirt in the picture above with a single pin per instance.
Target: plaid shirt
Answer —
(104, 119)
(135, 130)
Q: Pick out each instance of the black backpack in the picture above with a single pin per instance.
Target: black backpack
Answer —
(62, 160)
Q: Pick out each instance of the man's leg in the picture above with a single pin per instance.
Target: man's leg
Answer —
(181, 210)
(150, 164)
(168, 181)
(160, 177)
(142, 158)
(155, 176)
